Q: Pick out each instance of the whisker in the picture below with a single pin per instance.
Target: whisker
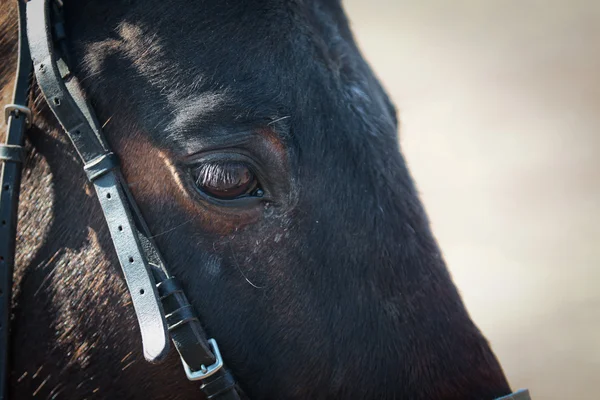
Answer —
(107, 121)
(242, 272)
(278, 119)
(91, 75)
(173, 228)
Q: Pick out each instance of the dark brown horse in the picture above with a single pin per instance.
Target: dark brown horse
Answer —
(263, 154)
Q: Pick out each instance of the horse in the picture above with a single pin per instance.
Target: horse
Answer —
(263, 154)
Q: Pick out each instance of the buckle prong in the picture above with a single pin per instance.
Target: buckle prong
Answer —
(16, 110)
(205, 371)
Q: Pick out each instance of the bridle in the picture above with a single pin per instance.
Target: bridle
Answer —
(160, 304)
(161, 307)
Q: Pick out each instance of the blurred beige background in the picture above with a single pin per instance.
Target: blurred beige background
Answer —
(500, 108)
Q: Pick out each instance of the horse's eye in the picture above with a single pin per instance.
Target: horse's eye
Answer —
(226, 180)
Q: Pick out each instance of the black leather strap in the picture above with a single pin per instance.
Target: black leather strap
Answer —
(12, 155)
(219, 387)
(184, 326)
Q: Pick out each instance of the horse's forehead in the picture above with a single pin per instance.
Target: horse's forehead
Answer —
(214, 70)
(238, 38)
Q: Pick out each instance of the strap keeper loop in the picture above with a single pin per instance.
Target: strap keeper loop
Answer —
(180, 317)
(214, 388)
(168, 287)
(12, 153)
(100, 166)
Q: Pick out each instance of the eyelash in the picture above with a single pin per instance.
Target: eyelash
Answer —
(227, 180)
(214, 173)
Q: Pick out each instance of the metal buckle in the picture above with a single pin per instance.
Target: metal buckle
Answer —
(205, 372)
(9, 109)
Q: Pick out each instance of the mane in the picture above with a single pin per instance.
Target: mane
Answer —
(8, 45)
(9, 50)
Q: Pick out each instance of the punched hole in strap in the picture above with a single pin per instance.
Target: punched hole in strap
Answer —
(100, 166)
(12, 153)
